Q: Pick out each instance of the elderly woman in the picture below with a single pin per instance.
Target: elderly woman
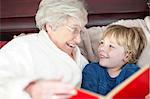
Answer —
(46, 64)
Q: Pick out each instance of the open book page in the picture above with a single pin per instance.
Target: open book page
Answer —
(135, 87)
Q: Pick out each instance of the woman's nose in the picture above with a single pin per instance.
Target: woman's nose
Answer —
(77, 38)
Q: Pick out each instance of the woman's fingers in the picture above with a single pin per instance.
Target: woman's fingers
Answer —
(65, 92)
(52, 88)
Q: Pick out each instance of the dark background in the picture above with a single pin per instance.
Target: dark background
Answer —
(17, 16)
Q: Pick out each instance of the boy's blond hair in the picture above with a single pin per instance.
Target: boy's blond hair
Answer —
(132, 39)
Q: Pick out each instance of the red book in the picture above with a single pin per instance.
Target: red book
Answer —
(136, 86)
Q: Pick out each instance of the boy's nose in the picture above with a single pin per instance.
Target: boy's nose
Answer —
(102, 48)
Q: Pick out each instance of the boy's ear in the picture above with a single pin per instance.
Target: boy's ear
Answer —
(127, 56)
(48, 28)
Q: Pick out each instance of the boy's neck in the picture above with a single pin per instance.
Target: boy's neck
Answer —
(114, 72)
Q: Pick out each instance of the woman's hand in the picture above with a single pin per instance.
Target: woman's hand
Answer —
(48, 89)
(147, 96)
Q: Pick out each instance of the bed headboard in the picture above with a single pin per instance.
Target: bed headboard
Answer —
(17, 16)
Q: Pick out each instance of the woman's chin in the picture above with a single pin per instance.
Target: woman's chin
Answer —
(69, 52)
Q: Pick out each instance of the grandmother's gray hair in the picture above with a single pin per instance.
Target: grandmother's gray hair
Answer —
(55, 12)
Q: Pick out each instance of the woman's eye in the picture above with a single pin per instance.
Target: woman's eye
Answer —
(76, 31)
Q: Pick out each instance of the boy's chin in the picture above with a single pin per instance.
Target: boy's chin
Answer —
(103, 64)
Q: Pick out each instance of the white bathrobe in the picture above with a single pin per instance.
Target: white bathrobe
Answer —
(33, 57)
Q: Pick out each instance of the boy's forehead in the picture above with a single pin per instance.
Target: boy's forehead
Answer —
(109, 36)
(111, 39)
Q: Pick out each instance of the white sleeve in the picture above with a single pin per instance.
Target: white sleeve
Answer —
(14, 77)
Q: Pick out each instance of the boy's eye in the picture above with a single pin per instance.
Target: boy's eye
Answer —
(111, 46)
(101, 42)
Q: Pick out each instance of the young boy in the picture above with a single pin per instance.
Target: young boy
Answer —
(119, 50)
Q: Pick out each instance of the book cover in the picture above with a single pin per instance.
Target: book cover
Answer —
(136, 86)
